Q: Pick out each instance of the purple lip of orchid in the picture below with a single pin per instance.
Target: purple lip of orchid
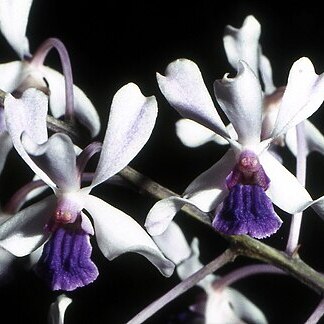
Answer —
(247, 209)
(65, 263)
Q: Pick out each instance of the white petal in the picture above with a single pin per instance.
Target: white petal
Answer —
(117, 233)
(230, 306)
(192, 264)
(56, 158)
(6, 261)
(162, 213)
(173, 244)
(314, 139)
(86, 224)
(303, 96)
(13, 23)
(209, 188)
(131, 120)
(243, 43)
(231, 130)
(318, 206)
(291, 140)
(219, 310)
(184, 88)
(10, 75)
(205, 192)
(193, 134)
(241, 100)
(28, 114)
(244, 308)
(24, 232)
(285, 190)
(58, 308)
(266, 74)
(84, 110)
(5, 147)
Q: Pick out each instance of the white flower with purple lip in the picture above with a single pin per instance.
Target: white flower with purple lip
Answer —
(224, 305)
(30, 71)
(240, 188)
(60, 220)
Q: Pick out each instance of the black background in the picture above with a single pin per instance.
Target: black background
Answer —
(112, 43)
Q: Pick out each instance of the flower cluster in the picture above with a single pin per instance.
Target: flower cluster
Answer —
(54, 217)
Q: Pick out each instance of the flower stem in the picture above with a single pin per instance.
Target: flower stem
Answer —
(38, 60)
(86, 154)
(183, 286)
(21, 196)
(301, 158)
(244, 272)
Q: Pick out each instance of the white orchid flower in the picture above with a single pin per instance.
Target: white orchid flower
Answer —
(30, 71)
(240, 188)
(225, 305)
(60, 220)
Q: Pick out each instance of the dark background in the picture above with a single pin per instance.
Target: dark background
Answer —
(112, 43)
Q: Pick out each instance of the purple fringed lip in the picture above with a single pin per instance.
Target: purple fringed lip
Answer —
(65, 262)
(247, 210)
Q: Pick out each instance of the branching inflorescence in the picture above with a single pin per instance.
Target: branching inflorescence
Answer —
(41, 115)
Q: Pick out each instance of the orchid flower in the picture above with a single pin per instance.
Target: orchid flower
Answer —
(58, 308)
(243, 44)
(242, 187)
(30, 71)
(59, 220)
(225, 305)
